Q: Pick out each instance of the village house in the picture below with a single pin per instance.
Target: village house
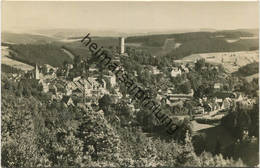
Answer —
(199, 110)
(60, 87)
(47, 69)
(76, 78)
(111, 79)
(239, 96)
(67, 100)
(53, 89)
(93, 70)
(181, 96)
(77, 92)
(118, 94)
(81, 105)
(70, 66)
(44, 85)
(135, 73)
(68, 91)
(16, 77)
(200, 102)
(175, 72)
(184, 69)
(155, 70)
(215, 106)
(226, 104)
(217, 86)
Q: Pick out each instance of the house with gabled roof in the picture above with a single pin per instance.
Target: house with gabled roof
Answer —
(175, 71)
(67, 100)
(76, 78)
(53, 89)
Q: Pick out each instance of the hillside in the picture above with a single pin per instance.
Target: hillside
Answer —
(174, 46)
(231, 61)
(251, 77)
(11, 63)
(37, 131)
(39, 53)
(25, 38)
(248, 70)
(196, 42)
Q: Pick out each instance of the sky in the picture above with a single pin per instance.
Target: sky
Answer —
(125, 16)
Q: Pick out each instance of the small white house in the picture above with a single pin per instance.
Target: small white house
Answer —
(175, 72)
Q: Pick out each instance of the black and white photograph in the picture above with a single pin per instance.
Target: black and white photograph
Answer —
(129, 84)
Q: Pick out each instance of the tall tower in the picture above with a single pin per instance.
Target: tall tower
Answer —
(37, 74)
(122, 45)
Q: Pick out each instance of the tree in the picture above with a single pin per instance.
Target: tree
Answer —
(65, 63)
(185, 88)
(99, 138)
(218, 147)
(104, 102)
(19, 140)
(77, 60)
(199, 64)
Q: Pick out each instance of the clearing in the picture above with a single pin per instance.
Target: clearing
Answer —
(13, 63)
(230, 60)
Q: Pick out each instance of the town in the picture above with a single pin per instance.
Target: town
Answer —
(85, 84)
(89, 88)
(155, 84)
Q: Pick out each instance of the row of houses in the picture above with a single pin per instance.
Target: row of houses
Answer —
(217, 104)
(175, 71)
(179, 70)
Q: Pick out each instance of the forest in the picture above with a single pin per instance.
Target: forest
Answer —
(39, 54)
(247, 70)
(196, 42)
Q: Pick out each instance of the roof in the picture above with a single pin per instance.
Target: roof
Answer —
(66, 99)
(48, 66)
(58, 85)
(222, 95)
(217, 85)
(52, 86)
(76, 78)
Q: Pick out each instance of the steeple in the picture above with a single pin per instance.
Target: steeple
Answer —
(37, 74)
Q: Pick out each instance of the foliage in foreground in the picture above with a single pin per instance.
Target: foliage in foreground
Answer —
(37, 133)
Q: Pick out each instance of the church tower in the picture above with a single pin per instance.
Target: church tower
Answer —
(37, 74)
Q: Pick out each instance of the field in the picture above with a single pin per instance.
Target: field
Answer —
(231, 61)
(197, 126)
(13, 63)
(251, 77)
(178, 46)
